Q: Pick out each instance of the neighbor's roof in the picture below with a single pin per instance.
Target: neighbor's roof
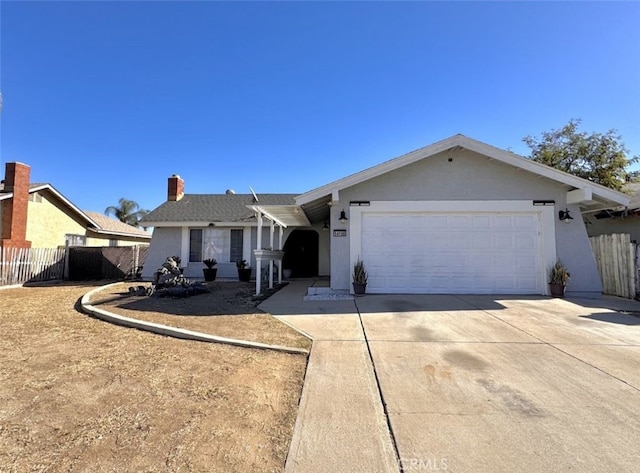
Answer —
(111, 226)
(212, 208)
(602, 194)
(37, 187)
(96, 222)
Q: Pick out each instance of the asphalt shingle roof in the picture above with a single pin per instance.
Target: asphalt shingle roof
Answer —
(214, 208)
(116, 226)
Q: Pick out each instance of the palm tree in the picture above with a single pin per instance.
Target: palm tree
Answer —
(127, 211)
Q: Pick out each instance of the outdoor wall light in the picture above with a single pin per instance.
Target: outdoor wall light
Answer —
(343, 217)
(564, 216)
(326, 225)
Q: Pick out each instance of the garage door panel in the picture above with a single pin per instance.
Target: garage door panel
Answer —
(462, 253)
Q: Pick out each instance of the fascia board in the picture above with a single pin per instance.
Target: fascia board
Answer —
(498, 154)
(378, 170)
(130, 235)
(200, 224)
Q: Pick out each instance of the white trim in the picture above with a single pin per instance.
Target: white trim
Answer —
(130, 235)
(184, 246)
(579, 196)
(473, 145)
(546, 215)
(201, 224)
(57, 194)
(246, 244)
(261, 211)
(295, 213)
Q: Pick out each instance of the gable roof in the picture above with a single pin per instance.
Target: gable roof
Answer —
(95, 221)
(605, 196)
(212, 208)
(111, 226)
(37, 187)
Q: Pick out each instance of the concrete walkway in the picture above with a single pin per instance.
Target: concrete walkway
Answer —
(341, 424)
(469, 383)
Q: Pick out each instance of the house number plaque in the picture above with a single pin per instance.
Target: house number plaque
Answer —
(339, 233)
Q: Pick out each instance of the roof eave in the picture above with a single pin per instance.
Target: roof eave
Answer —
(199, 224)
(128, 235)
(59, 195)
(617, 198)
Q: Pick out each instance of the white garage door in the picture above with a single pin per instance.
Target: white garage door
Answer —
(476, 253)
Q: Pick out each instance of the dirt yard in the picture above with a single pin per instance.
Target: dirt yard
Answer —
(229, 310)
(81, 395)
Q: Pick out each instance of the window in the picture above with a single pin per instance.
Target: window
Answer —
(218, 243)
(35, 197)
(113, 242)
(74, 240)
(195, 245)
(236, 246)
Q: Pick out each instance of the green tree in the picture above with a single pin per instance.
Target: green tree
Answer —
(598, 157)
(127, 211)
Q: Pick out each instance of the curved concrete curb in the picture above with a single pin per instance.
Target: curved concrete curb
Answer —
(173, 331)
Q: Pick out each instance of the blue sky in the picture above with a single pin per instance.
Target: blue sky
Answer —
(107, 99)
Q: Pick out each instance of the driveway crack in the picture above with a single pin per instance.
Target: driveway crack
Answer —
(394, 442)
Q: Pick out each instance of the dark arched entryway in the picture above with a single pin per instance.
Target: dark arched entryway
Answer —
(301, 254)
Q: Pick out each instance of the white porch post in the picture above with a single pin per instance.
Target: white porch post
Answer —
(258, 247)
(280, 232)
(271, 260)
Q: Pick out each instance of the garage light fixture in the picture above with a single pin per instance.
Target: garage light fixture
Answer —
(343, 217)
(326, 225)
(564, 216)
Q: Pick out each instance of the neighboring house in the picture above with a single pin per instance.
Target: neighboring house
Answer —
(39, 216)
(458, 216)
(617, 220)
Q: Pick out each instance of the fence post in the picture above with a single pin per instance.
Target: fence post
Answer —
(65, 274)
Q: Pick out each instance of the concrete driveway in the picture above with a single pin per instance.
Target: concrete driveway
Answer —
(467, 384)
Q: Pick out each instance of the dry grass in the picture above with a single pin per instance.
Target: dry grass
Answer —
(81, 395)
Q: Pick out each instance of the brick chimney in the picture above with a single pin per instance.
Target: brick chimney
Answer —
(14, 211)
(175, 189)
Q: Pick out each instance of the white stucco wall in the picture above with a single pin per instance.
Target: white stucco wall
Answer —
(165, 242)
(168, 241)
(469, 176)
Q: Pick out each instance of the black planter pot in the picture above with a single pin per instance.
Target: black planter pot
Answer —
(210, 274)
(556, 290)
(244, 275)
(359, 289)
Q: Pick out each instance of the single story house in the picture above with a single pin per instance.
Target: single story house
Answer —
(39, 216)
(457, 216)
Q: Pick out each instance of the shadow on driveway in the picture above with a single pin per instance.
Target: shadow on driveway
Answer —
(399, 303)
(614, 318)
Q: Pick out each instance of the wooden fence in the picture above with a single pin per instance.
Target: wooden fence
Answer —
(117, 262)
(21, 265)
(616, 259)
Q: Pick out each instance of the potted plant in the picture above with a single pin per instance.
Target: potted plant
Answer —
(210, 271)
(558, 278)
(244, 271)
(359, 278)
